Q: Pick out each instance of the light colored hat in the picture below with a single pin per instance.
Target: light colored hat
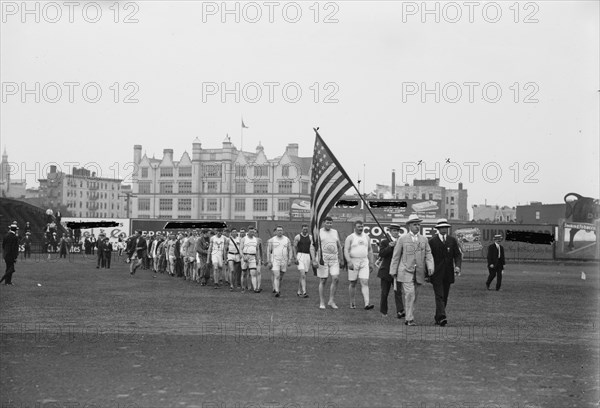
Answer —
(498, 236)
(442, 223)
(413, 218)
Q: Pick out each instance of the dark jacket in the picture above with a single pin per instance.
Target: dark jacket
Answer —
(495, 258)
(140, 247)
(446, 255)
(385, 253)
(10, 246)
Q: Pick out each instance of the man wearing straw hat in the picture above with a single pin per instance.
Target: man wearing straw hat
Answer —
(447, 258)
(411, 262)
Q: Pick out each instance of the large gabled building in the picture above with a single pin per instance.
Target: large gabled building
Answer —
(223, 183)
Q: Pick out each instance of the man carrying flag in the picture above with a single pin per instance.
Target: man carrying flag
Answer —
(329, 183)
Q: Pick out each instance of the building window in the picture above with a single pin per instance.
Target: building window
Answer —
(165, 204)
(184, 204)
(261, 187)
(185, 171)
(431, 196)
(452, 200)
(144, 188)
(240, 187)
(305, 187)
(537, 215)
(212, 170)
(260, 205)
(423, 196)
(144, 172)
(283, 205)
(261, 171)
(240, 204)
(166, 171)
(144, 204)
(166, 188)
(211, 204)
(184, 217)
(451, 213)
(447, 198)
(285, 170)
(260, 217)
(185, 187)
(240, 171)
(285, 186)
(211, 187)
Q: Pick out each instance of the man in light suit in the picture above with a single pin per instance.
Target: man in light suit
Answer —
(495, 260)
(411, 263)
(447, 258)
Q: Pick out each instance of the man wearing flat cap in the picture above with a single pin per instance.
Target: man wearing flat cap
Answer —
(386, 251)
(10, 250)
(411, 263)
(447, 258)
(495, 260)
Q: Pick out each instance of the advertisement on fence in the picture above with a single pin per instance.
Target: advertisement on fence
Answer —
(121, 229)
(152, 226)
(520, 241)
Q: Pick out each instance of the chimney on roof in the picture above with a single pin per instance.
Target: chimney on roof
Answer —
(292, 149)
(168, 153)
(393, 183)
(137, 154)
(196, 149)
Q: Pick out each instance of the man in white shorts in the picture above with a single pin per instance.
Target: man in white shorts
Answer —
(216, 252)
(329, 257)
(359, 258)
(251, 248)
(234, 257)
(279, 253)
(304, 251)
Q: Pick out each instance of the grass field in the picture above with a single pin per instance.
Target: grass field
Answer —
(102, 338)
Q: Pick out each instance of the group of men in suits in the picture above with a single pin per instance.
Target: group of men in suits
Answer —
(410, 260)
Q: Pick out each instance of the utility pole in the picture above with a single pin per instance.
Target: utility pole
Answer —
(128, 196)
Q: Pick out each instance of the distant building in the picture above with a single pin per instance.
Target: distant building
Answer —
(452, 203)
(538, 213)
(82, 194)
(222, 183)
(494, 213)
(10, 188)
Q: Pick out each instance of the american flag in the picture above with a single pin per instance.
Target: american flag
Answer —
(329, 183)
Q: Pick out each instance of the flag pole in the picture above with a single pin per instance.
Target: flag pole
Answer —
(358, 192)
(242, 137)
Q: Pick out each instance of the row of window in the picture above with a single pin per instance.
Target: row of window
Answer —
(212, 204)
(73, 204)
(215, 170)
(95, 214)
(92, 185)
(185, 187)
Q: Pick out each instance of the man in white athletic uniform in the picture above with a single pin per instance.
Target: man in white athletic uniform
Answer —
(359, 258)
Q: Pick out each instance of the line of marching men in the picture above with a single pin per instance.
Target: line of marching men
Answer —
(233, 259)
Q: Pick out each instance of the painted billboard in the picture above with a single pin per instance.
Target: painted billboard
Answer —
(474, 239)
(113, 233)
(154, 225)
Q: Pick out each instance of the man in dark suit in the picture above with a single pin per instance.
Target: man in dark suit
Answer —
(495, 260)
(10, 250)
(386, 251)
(140, 252)
(447, 258)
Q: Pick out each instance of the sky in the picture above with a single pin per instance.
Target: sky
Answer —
(501, 96)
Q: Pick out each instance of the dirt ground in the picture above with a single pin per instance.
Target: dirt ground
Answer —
(75, 336)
